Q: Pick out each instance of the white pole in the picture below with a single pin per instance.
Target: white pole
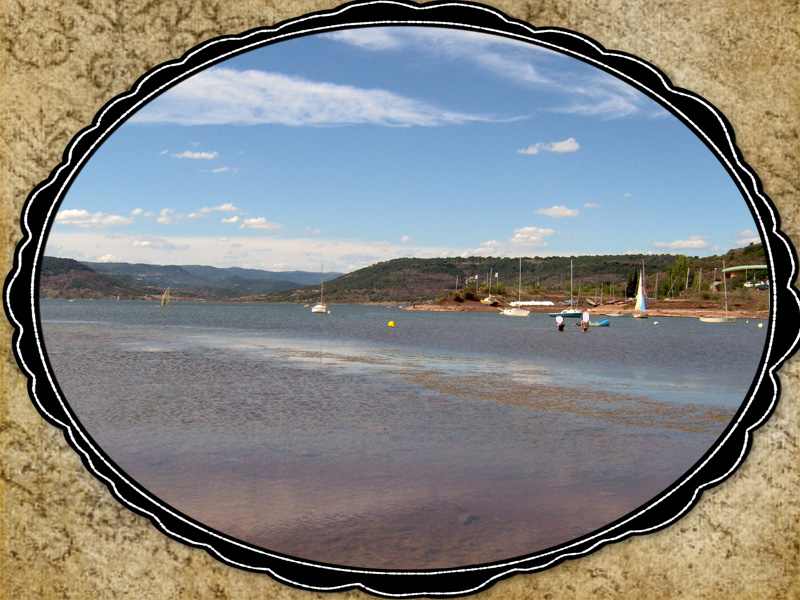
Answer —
(570, 283)
(725, 282)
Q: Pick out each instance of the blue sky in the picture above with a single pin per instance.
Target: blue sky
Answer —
(370, 144)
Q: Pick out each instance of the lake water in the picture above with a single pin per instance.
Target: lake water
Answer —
(451, 439)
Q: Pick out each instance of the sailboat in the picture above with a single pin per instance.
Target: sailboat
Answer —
(490, 299)
(571, 311)
(516, 311)
(639, 309)
(321, 307)
(165, 298)
(726, 318)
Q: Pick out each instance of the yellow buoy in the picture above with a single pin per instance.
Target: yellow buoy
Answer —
(760, 325)
(391, 323)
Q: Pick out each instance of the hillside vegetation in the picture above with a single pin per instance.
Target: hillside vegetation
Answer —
(406, 280)
(67, 278)
(409, 280)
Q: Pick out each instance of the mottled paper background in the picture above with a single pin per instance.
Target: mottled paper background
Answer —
(64, 536)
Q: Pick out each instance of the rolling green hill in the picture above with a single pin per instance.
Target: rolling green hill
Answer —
(403, 280)
(67, 278)
(253, 281)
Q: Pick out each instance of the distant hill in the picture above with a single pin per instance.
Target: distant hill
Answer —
(240, 286)
(402, 280)
(67, 278)
(418, 279)
(295, 277)
(235, 279)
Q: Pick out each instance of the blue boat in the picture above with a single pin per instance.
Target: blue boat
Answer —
(605, 323)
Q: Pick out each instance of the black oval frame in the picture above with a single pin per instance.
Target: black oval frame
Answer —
(21, 301)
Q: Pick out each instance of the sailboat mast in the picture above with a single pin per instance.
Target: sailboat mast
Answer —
(725, 283)
(644, 293)
(570, 283)
(321, 281)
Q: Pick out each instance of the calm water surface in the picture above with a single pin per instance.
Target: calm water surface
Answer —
(450, 439)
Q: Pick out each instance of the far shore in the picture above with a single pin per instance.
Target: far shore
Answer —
(657, 308)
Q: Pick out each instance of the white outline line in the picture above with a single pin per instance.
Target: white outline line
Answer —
(601, 537)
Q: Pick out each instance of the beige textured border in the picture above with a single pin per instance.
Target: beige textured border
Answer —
(62, 534)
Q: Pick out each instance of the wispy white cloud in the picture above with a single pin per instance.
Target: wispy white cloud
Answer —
(85, 219)
(568, 145)
(236, 251)
(228, 207)
(531, 236)
(224, 96)
(558, 212)
(523, 240)
(592, 205)
(746, 237)
(260, 223)
(221, 170)
(369, 38)
(405, 239)
(592, 93)
(303, 252)
(694, 242)
(233, 219)
(168, 216)
(154, 243)
(197, 155)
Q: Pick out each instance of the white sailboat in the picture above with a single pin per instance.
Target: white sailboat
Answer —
(515, 311)
(639, 309)
(726, 318)
(490, 299)
(321, 307)
(165, 298)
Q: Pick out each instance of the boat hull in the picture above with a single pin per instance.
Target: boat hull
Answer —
(605, 323)
(718, 319)
(515, 312)
(319, 308)
(573, 315)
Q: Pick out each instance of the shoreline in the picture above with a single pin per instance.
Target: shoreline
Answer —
(664, 308)
(658, 308)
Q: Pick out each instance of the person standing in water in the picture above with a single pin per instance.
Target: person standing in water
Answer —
(560, 323)
(585, 321)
